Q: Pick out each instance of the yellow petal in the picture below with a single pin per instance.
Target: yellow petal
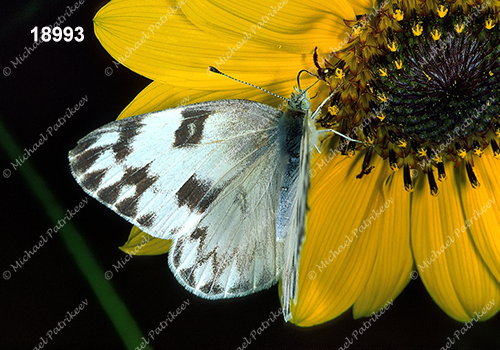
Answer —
(447, 260)
(368, 7)
(335, 265)
(178, 53)
(391, 240)
(485, 230)
(140, 243)
(286, 25)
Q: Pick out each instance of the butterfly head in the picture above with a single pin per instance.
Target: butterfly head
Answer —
(299, 101)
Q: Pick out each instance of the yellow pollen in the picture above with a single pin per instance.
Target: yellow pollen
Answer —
(394, 167)
(436, 35)
(497, 153)
(398, 15)
(428, 77)
(399, 64)
(478, 151)
(371, 140)
(462, 153)
(350, 153)
(383, 72)
(393, 47)
(422, 152)
(497, 132)
(333, 110)
(442, 11)
(339, 73)
(357, 30)
(417, 30)
(437, 158)
(489, 24)
(383, 98)
(402, 143)
(459, 27)
(381, 116)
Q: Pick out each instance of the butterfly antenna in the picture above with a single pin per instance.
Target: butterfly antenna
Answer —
(215, 70)
(298, 80)
(305, 71)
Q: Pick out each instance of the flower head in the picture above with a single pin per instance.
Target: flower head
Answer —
(433, 120)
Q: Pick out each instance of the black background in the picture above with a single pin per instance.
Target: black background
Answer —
(36, 297)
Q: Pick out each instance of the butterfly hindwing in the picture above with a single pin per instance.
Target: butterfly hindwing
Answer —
(232, 252)
(206, 176)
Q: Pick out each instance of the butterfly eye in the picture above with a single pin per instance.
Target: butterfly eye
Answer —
(305, 104)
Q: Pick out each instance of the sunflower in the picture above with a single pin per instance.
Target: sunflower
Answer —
(418, 83)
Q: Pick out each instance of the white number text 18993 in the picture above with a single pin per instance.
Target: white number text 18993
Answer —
(56, 34)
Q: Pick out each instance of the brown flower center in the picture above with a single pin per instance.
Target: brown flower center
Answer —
(421, 85)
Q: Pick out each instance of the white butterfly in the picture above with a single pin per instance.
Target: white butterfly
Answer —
(225, 180)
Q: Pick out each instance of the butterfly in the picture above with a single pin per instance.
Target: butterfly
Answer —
(225, 180)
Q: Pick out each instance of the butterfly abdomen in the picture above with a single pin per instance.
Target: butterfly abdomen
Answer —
(293, 124)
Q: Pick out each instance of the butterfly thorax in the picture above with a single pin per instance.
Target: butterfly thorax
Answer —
(293, 122)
